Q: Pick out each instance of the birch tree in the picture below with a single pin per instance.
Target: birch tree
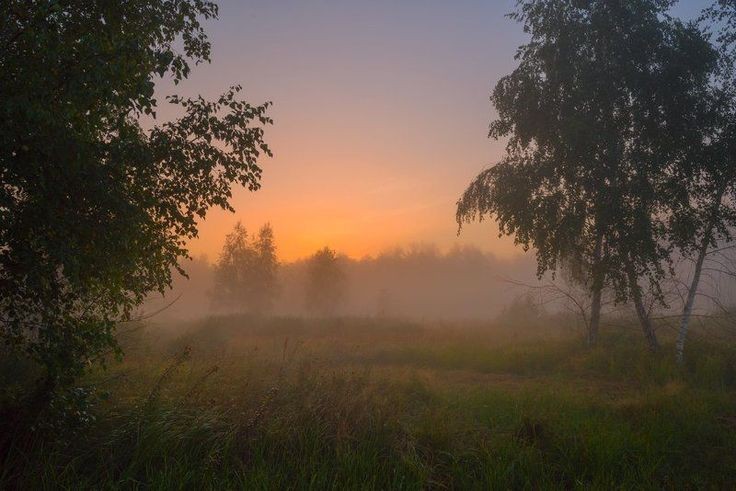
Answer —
(597, 113)
(325, 282)
(708, 213)
(246, 272)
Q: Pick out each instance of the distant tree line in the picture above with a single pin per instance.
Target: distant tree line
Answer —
(246, 272)
(246, 276)
(416, 281)
(325, 287)
(621, 128)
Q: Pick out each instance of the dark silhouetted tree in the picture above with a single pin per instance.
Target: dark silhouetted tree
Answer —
(95, 208)
(231, 271)
(325, 283)
(603, 104)
(246, 272)
(264, 286)
(702, 226)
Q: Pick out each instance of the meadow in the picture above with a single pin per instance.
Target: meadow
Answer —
(356, 403)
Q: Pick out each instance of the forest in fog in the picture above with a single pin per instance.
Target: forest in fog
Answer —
(422, 282)
(414, 282)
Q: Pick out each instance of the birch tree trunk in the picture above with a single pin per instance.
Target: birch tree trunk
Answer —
(595, 316)
(688, 309)
(641, 311)
(693, 291)
(595, 307)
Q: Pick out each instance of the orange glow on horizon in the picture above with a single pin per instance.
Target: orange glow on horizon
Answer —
(357, 231)
(380, 121)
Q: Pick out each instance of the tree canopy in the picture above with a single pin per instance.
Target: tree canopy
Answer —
(606, 105)
(246, 274)
(95, 208)
(325, 287)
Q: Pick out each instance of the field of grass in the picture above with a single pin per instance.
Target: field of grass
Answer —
(243, 403)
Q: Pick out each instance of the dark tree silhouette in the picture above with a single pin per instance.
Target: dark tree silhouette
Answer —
(325, 283)
(246, 272)
(231, 270)
(96, 210)
(605, 101)
(702, 225)
(265, 287)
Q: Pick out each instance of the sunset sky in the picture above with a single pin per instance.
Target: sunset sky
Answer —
(381, 113)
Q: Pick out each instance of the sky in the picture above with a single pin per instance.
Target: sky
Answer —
(381, 112)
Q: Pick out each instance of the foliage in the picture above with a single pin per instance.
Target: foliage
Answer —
(265, 287)
(246, 274)
(723, 13)
(234, 258)
(704, 208)
(95, 210)
(587, 175)
(325, 283)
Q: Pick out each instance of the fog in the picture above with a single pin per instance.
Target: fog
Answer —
(423, 283)
(416, 282)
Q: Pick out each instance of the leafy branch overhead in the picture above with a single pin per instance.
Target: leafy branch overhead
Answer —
(95, 210)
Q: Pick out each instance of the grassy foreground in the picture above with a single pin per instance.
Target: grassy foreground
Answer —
(242, 403)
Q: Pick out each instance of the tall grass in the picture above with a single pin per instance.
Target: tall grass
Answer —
(369, 404)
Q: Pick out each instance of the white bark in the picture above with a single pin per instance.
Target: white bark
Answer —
(693, 291)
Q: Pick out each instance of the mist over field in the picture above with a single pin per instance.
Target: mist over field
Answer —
(421, 282)
(418, 282)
